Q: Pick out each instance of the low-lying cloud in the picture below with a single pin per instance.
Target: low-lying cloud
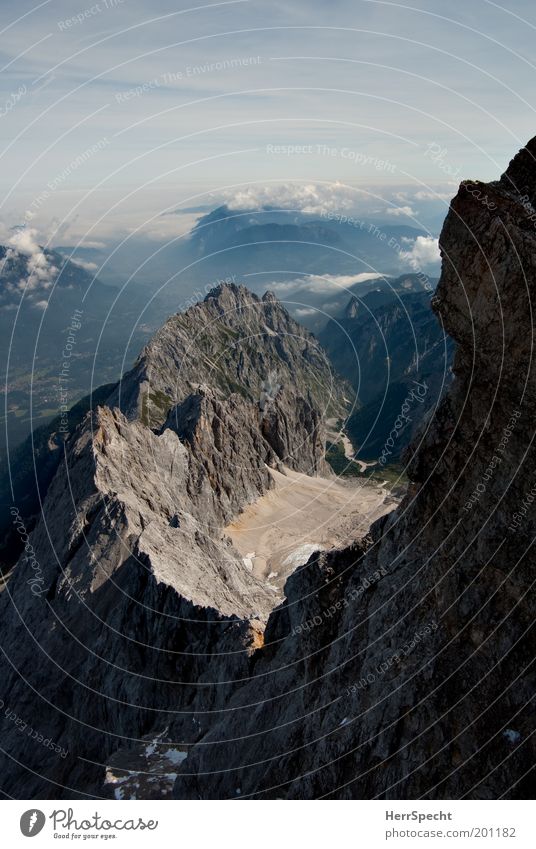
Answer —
(311, 198)
(397, 211)
(322, 284)
(424, 251)
(26, 270)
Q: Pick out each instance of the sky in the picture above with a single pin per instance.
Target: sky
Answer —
(119, 116)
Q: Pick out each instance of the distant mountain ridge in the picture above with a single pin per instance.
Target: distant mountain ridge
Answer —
(387, 344)
(258, 246)
(42, 296)
(45, 298)
(364, 242)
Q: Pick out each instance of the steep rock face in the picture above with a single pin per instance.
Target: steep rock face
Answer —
(405, 671)
(226, 439)
(238, 343)
(131, 601)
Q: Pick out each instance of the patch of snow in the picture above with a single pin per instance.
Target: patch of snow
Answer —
(175, 756)
(302, 554)
(511, 735)
(363, 466)
(117, 782)
(248, 560)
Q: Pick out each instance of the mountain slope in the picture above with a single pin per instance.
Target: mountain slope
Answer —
(129, 601)
(391, 349)
(244, 241)
(233, 342)
(54, 312)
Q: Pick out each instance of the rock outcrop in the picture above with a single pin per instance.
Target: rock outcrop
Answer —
(405, 671)
(234, 343)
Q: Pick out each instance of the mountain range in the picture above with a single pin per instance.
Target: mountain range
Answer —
(148, 658)
(307, 260)
(120, 293)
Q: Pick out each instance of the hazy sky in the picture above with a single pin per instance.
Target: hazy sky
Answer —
(113, 113)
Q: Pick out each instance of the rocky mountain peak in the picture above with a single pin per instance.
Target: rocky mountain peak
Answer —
(238, 344)
(229, 296)
(520, 176)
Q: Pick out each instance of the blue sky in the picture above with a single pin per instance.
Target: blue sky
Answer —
(113, 114)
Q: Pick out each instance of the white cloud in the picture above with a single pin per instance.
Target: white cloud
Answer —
(302, 311)
(322, 284)
(39, 270)
(433, 195)
(81, 263)
(312, 198)
(28, 271)
(92, 244)
(400, 210)
(425, 251)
